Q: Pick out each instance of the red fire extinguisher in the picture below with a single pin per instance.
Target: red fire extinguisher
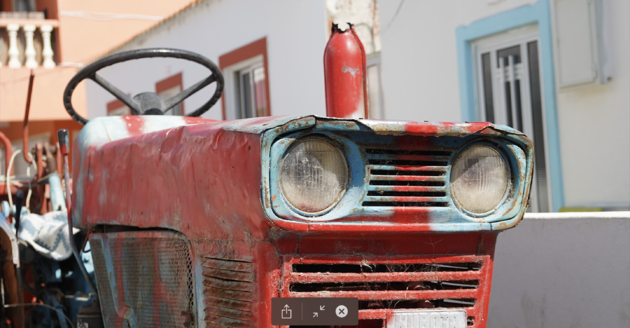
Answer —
(345, 75)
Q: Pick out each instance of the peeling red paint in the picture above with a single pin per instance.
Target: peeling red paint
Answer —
(135, 124)
(204, 180)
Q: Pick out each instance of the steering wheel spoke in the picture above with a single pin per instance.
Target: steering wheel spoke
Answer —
(178, 98)
(149, 100)
(126, 99)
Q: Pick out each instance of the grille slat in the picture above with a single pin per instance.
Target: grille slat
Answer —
(374, 177)
(408, 168)
(407, 178)
(408, 157)
(406, 162)
(229, 287)
(405, 199)
(421, 282)
(382, 193)
(393, 294)
(373, 188)
(384, 277)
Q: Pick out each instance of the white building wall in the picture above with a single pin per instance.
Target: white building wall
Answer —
(595, 124)
(419, 71)
(419, 56)
(296, 36)
(563, 270)
(420, 82)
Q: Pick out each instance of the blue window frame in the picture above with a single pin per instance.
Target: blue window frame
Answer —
(539, 14)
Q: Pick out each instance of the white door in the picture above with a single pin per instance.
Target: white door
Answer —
(509, 92)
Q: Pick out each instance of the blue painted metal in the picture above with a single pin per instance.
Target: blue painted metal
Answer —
(538, 13)
(354, 137)
(56, 192)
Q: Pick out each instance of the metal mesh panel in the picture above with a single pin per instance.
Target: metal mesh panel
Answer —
(157, 281)
(110, 317)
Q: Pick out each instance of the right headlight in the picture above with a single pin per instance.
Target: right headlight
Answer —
(313, 175)
(480, 179)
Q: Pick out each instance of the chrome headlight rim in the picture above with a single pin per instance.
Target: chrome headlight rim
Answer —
(505, 199)
(341, 194)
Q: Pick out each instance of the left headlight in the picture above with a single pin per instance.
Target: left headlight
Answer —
(479, 179)
(313, 175)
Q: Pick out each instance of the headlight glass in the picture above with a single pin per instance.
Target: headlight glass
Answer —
(313, 175)
(479, 179)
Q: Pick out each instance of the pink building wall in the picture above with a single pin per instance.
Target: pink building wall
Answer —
(86, 30)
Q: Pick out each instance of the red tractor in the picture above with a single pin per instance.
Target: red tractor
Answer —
(201, 223)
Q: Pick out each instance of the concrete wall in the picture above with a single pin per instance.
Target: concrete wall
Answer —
(563, 270)
(420, 82)
(296, 35)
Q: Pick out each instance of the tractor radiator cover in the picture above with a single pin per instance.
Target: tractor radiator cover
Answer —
(146, 277)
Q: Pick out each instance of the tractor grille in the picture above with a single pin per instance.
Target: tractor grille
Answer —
(228, 292)
(382, 285)
(409, 178)
(153, 277)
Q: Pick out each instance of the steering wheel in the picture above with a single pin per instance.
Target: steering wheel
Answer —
(146, 103)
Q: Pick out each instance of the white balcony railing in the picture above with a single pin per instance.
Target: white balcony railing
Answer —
(26, 40)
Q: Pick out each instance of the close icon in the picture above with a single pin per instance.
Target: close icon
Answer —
(341, 311)
(286, 312)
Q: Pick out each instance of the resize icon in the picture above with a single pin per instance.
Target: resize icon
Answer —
(286, 312)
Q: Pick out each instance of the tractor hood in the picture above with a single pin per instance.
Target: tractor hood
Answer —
(195, 175)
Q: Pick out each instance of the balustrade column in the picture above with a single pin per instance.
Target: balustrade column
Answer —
(47, 52)
(14, 52)
(30, 48)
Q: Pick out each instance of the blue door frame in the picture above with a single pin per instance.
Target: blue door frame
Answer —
(539, 14)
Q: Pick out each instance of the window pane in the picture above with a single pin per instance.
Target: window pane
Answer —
(260, 89)
(540, 169)
(486, 70)
(519, 110)
(508, 104)
(504, 54)
(246, 96)
(168, 93)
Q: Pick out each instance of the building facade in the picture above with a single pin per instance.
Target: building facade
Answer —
(53, 39)
(554, 69)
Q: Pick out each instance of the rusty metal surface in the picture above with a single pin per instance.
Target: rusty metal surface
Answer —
(234, 185)
(345, 74)
(8, 152)
(401, 177)
(27, 111)
(209, 181)
(386, 271)
(229, 287)
(434, 273)
(10, 266)
(145, 278)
